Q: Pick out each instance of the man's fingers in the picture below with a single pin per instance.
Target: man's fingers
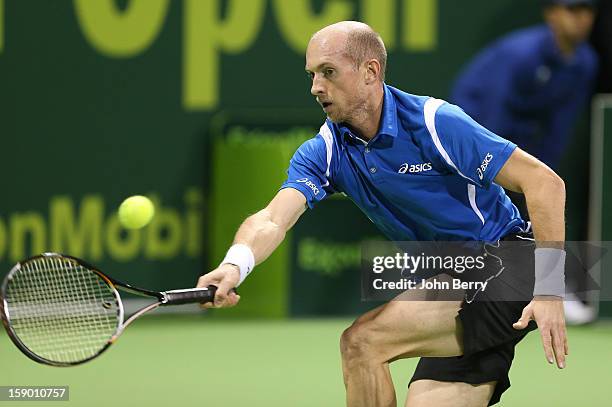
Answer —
(233, 299)
(205, 281)
(225, 279)
(559, 346)
(549, 317)
(547, 344)
(222, 296)
(523, 320)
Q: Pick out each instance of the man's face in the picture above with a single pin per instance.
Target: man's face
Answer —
(573, 23)
(336, 82)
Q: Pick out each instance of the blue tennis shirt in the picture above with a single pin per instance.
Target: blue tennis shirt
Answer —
(427, 175)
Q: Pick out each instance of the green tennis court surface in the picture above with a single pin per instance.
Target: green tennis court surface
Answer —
(197, 361)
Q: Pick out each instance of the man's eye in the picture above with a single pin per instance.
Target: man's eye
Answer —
(328, 72)
(310, 75)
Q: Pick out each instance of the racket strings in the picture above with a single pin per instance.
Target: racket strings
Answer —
(60, 310)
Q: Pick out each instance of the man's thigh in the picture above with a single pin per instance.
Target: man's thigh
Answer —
(411, 326)
(427, 393)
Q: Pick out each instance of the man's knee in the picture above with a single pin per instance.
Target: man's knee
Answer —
(373, 342)
(356, 343)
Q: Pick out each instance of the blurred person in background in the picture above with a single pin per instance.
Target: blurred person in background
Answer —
(529, 87)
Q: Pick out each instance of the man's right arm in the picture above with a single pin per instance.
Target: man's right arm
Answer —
(262, 233)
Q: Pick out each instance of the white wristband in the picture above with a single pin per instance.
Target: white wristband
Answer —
(240, 255)
(549, 272)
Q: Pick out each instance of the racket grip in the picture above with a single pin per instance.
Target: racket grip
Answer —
(190, 295)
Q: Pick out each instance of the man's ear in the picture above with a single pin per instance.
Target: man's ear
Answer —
(372, 72)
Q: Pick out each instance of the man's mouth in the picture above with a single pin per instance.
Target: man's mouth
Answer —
(325, 105)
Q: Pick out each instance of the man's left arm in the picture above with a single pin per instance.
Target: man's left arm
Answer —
(544, 192)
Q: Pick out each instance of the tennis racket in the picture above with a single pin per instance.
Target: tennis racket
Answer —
(61, 311)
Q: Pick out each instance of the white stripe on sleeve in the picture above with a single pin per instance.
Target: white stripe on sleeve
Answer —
(431, 107)
(329, 141)
(472, 197)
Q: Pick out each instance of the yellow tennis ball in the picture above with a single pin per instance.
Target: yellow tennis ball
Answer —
(136, 212)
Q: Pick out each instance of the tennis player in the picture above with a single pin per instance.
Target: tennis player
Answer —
(454, 193)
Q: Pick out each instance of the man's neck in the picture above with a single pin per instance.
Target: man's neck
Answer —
(566, 46)
(367, 123)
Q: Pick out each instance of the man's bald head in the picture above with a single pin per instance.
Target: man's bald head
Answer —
(360, 42)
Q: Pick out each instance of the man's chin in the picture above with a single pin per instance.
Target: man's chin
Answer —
(334, 118)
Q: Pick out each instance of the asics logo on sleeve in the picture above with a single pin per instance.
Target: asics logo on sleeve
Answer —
(414, 168)
(483, 167)
(309, 184)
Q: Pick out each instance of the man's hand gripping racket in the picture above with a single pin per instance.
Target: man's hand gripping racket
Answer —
(225, 278)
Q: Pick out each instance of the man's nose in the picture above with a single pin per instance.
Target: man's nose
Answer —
(317, 87)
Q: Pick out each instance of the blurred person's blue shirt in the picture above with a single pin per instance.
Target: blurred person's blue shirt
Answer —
(523, 88)
(427, 175)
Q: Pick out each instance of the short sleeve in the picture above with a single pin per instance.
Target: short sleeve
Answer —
(466, 147)
(309, 168)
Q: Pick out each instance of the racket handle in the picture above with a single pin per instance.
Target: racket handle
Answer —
(190, 295)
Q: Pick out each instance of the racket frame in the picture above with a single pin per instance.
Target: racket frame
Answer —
(162, 298)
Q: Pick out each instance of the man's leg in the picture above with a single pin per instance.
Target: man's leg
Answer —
(427, 393)
(396, 330)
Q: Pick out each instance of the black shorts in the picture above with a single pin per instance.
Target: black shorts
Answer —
(488, 336)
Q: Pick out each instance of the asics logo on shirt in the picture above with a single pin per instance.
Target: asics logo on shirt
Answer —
(309, 184)
(483, 167)
(414, 168)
